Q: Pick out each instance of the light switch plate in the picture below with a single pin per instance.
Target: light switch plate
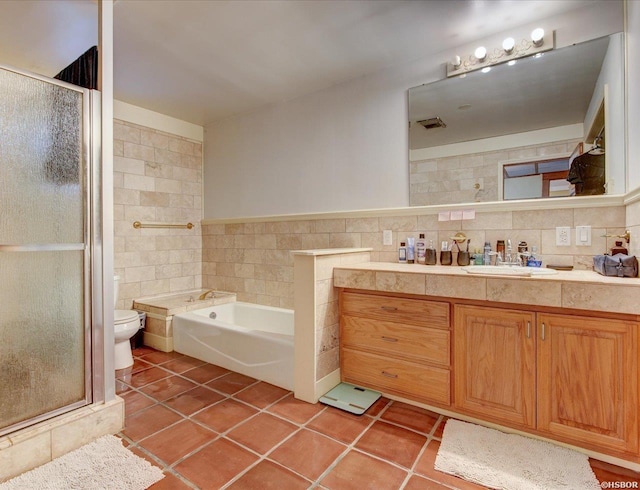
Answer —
(387, 237)
(563, 236)
(583, 236)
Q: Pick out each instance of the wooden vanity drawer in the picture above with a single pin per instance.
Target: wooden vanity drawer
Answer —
(419, 343)
(402, 378)
(433, 314)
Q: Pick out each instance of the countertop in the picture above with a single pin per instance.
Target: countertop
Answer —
(577, 289)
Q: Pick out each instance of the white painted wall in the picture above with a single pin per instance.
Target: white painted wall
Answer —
(633, 94)
(344, 148)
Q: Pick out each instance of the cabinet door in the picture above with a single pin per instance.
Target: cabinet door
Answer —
(587, 381)
(494, 364)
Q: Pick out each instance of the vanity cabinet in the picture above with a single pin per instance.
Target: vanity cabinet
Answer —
(397, 345)
(571, 378)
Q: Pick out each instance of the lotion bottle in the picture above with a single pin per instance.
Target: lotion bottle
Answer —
(402, 253)
(411, 250)
(421, 249)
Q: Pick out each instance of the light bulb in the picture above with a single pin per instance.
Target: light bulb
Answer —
(486, 69)
(508, 44)
(456, 62)
(537, 36)
(481, 53)
(512, 62)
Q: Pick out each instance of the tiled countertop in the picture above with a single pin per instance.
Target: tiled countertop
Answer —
(584, 290)
(173, 304)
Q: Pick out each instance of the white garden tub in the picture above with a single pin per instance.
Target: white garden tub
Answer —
(250, 339)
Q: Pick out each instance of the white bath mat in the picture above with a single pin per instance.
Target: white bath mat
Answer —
(511, 462)
(104, 464)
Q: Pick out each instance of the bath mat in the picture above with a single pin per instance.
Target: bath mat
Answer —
(104, 464)
(510, 461)
(350, 398)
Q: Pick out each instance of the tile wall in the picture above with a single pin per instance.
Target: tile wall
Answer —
(158, 179)
(451, 180)
(254, 259)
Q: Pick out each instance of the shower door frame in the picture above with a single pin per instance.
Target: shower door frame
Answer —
(93, 328)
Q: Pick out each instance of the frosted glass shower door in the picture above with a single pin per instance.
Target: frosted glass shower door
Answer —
(44, 254)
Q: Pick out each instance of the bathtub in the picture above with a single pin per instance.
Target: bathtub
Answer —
(250, 339)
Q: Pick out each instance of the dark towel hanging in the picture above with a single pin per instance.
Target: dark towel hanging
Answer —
(83, 71)
(587, 173)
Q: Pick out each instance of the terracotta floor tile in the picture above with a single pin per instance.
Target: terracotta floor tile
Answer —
(377, 407)
(142, 351)
(261, 395)
(122, 387)
(296, 410)
(358, 471)
(158, 357)
(440, 428)
(193, 400)
(216, 464)
(415, 418)
(224, 415)
(145, 422)
(168, 387)
(307, 453)
(206, 373)
(148, 376)
(392, 443)
(606, 472)
(340, 425)
(418, 483)
(424, 466)
(262, 432)
(175, 442)
(267, 475)
(170, 482)
(231, 383)
(182, 364)
(134, 401)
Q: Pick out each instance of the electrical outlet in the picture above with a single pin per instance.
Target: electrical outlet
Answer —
(387, 237)
(583, 236)
(563, 236)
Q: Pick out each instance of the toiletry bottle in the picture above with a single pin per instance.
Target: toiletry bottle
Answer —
(522, 247)
(421, 248)
(619, 249)
(477, 257)
(430, 255)
(500, 249)
(534, 261)
(402, 253)
(486, 258)
(411, 250)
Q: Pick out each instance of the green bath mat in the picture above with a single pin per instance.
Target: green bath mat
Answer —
(350, 398)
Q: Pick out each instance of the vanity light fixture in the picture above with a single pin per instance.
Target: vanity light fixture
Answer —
(535, 44)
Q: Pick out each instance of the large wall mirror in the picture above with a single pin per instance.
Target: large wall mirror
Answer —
(546, 126)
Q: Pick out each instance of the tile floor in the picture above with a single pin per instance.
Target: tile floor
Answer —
(208, 428)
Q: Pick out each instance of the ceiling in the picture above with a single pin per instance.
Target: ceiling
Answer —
(203, 61)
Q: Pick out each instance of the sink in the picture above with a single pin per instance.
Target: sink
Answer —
(502, 270)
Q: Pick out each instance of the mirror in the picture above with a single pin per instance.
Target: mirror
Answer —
(472, 137)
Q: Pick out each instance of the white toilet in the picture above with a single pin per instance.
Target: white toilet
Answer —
(125, 325)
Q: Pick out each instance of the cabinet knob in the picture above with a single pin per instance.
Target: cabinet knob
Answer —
(543, 328)
(528, 330)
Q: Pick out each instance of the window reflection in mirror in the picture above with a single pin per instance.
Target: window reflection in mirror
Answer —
(536, 179)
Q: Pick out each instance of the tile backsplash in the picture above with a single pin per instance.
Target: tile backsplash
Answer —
(157, 179)
(253, 259)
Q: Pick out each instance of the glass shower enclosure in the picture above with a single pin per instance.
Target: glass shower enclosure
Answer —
(47, 209)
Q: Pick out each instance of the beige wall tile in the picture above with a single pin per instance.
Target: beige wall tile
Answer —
(456, 287)
(600, 298)
(542, 219)
(355, 279)
(330, 226)
(610, 217)
(524, 291)
(398, 282)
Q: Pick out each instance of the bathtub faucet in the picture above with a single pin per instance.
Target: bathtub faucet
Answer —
(206, 293)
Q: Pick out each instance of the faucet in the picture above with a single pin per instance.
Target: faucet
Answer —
(206, 293)
(511, 258)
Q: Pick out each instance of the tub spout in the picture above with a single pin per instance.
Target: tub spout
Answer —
(206, 293)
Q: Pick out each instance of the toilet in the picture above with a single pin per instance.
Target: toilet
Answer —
(125, 325)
